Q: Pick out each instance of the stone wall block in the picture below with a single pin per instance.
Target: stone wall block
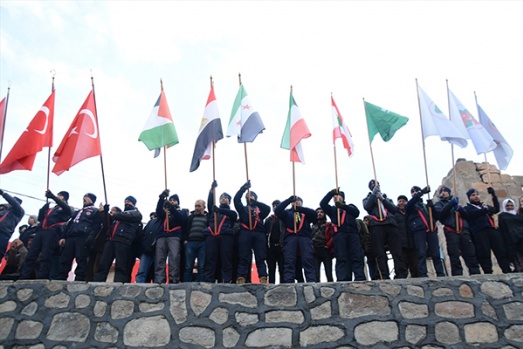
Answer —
(245, 299)
(489, 310)
(199, 301)
(373, 332)
(198, 335)
(30, 309)
(496, 290)
(322, 311)
(178, 309)
(295, 317)
(147, 332)
(515, 333)
(154, 292)
(442, 292)
(454, 310)
(415, 333)
(80, 287)
(230, 337)
(320, 334)
(82, 301)
(99, 308)
(121, 309)
(3, 289)
(308, 294)
(6, 323)
(24, 294)
(146, 307)
(219, 315)
(58, 301)
(447, 333)
(106, 333)
(55, 286)
(481, 333)
(103, 291)
(267, 337)
(465, 291)
(327, 292)
(355, 305)
(514, 311)
(390, 289)
(69, 327)
(130, 290)
(246, 319)
(281, 296)
(411, 310)
(7, 307)
(416, 291)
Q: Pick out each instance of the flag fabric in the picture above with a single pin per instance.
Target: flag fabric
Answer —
(383, 121)
(82, 139)
(295, 130)
(483, 142)
(503, 152)
(245, 122)
(435, 123)
(210, 130)
(159, 130)
(2, 117)
(36, 136)
(340, 129)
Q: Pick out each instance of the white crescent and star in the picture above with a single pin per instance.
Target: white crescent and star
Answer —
(90, 114)
(46, 112)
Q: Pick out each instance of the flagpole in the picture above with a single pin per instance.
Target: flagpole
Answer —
(424, 157)
(246, 167)
(215, 214)
(372, 158)
(100, 137)
(454, 188)
(4, 117)
(336, 172)
(49, 149)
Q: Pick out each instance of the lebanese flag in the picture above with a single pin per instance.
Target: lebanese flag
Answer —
(341, 130)
(37, 135)
(210, 131)
(295, 130)
(82, 140)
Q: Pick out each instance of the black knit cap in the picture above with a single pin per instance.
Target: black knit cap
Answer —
(91, 196)
(65, 195)
(403, 197)
(471, 191)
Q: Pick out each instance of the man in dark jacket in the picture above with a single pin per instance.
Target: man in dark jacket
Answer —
(10, 215)
(346, 236)
(297, 238)
(323, 245)
(484, 233)
(46, 238)
(424, 229)
(384, 231)
(252, 234)
(457, 234)
(148, 249)
(120, 237)
(81, 229)
(169, 239)
(408, 247)
(275, 229)
(194, 242)
(219, 242)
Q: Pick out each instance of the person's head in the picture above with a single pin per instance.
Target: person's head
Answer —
(174, 200)
(366, 220)
(199, 206)
(225, 199)
(63, 195)
(520, 210)
(251, 195)
(129, 202)
(89, 199)
(509, 206)
(32, 220)
(473, 196)
(445, 193)
(372, 184)
(115, 210)
(320, 213)
(414, 190)
(299, 201)
(402, 201)
(22, 228)
(275, 204)
(152, 215)
(340, 197)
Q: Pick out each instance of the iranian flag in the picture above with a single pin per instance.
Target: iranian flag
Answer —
(340, 129)
(210, 130)
(159, 130)
(295, 130)
(245, 122)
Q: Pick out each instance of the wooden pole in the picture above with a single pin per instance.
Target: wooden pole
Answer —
(49, 149)
(246, 168)
(454, 187)
(215, 214)
(100, 139)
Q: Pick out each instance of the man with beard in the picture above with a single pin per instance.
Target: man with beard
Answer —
(322, 243)
(274, 229)
(120, 237)
(457, 234)
(484, 234)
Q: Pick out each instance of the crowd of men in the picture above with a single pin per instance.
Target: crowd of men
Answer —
(215, 243)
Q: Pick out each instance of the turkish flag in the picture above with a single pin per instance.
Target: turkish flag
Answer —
(81, 141)
(37, 135)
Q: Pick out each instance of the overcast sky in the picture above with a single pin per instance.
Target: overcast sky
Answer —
(369, 49)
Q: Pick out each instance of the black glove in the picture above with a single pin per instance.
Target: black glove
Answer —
(106, 208)
(429, 203)
(215, 208)
(376, 190)
(292, 198)
(339, 204)
(1, 192)
(214, 184)
(457, 207)
(247, 185)
(425, 190)
(335, 191)
(491, 191)
(164, 194)
(454, 202)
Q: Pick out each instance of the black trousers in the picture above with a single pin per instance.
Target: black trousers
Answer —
(123, 265)
(388, 235)
(461, 245)
(275, 257)
(486, 240)
(42, 248)
(74, 248)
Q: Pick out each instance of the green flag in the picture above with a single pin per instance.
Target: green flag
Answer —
(383, 121)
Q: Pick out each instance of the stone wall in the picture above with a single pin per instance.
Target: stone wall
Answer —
(482, 311)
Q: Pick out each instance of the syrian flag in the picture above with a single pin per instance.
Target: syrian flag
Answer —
(245, 122)
(159, 130)
(435, 123)
(341, 130)
(210, 130)
(503, 152)
(483, 142)
(295, 130)
(37, 135)
(82, 140)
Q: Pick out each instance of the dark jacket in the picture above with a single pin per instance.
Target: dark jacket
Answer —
(304, 219)
(258, 210)
(10, 218)
(173, 227)
(225, 218)
(479, 216)
(274, 239)
(370, 204)
(406, 237)
(322, 235)
(447, 216)
(86, 222)
(55, 218)
(150, 232)
(125, 226)
(418, 214)
(348, 215)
